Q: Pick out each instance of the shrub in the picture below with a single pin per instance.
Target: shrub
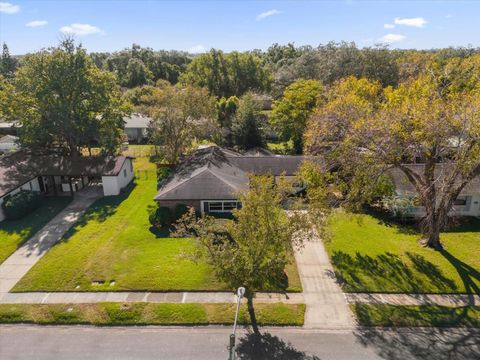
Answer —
(162, 173)
(180, 210)
(20, 204)
(160, 216)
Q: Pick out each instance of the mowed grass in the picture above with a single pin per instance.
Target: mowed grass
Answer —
(13, 233)
(149, 314)
(426, 315)
(112, 248)
(370, 255)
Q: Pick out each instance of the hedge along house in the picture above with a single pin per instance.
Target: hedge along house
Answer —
(466, 204)
(211, 178)
(62, 175)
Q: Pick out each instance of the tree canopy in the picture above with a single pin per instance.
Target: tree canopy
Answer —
(228, 74)
(290, 113)
(432, 119)
(180, 114)
(64, 102)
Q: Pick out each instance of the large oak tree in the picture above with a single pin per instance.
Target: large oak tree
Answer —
(65, 103)
(433, 119)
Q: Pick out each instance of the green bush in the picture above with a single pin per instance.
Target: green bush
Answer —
(180, 210)
(162, 173)
(20, 204)
(160, 216)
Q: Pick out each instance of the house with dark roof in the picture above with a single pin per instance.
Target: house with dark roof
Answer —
(211, 178)
(136, 126)
(466, 204)
(57, 175)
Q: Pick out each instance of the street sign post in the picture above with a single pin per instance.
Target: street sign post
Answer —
(240, 293)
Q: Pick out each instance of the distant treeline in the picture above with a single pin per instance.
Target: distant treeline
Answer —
(270, 71)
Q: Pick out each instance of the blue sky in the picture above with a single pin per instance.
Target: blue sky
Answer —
(237, 25)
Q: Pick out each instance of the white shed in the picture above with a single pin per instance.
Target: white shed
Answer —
(113, 184)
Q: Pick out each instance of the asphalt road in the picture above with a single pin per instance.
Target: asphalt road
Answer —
(83, 342)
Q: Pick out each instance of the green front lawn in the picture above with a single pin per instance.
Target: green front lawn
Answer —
(113, 248)
(13, 233)
(426, 315)
(149, 314)
(371, 255)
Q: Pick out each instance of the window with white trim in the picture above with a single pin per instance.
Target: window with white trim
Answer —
(221, 206)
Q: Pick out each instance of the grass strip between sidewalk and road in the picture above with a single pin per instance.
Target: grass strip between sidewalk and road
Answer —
(106, 314)
(413, 316)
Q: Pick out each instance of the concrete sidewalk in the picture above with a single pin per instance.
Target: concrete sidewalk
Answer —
(153, 297)
(326, 303)
(22, 260)
(414, 299)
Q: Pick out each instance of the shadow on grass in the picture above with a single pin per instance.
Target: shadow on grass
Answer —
(470, 276)
(268, 347)
(420, 344)
(30, 224)
(99, 211)
(402, 226)
(160, 232)
(388, 271)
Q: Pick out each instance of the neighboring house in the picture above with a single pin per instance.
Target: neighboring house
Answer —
(466, 204)
(8, 143)
(210, 179)
(136, 126)
(56, 175)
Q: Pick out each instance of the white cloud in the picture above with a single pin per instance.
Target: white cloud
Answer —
(388, 26)
(415, 22)
(8, 8)
(268, 14)
(392, 38)
(448, 16)
(37, 23)
(197, 49)
(81, 29)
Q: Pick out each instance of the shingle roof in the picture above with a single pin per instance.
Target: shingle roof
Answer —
(216, 173)
(137, 121)
(403, 185)
(18, 168)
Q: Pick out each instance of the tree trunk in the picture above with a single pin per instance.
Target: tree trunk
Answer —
(251, 312)
(432, 224)
(431, 239)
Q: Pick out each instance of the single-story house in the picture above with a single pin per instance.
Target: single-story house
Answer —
(466, 204)
(57, 175)
(211, 178)
(136, 126)
(8, 143)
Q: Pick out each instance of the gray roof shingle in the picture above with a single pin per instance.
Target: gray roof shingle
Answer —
(18, 168)
(216, 173)
(137, 121)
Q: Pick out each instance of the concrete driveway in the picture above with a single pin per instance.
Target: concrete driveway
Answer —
(22, 260)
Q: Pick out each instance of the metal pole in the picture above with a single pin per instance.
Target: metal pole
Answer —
(240, 293)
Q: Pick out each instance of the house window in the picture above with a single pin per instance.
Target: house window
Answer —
(131, 166)
(221, 206)
(124, 172)
(215, 206)
(229, 205)
(460, 201)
